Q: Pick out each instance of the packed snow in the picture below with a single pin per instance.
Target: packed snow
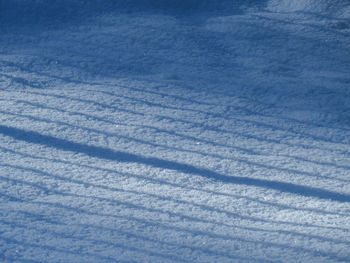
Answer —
(175, 131)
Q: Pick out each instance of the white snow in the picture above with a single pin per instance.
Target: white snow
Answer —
(174, 131)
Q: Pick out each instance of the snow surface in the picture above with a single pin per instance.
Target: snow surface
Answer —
(174, 131)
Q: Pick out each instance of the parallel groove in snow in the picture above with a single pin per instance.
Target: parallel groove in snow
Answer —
(154, 136)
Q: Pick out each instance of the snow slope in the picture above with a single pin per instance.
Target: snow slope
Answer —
(174, 131)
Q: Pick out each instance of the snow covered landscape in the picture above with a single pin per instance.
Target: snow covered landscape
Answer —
(175, 131)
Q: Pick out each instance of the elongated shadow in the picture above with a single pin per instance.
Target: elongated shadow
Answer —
(114, 244)
(257, 164)
(164, 198)
(196, 232)
(120, 156)
(109, 134)
(154, 210)
(197, 124)
(163, 182)
(172, 133)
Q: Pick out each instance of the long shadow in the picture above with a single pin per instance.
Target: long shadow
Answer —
(21, 81)
(108, 134)
(159, 197)
(215, 129)
(119, 156)
(70, 80)
(172, 133)
(308, 135)
(115, 245)
(50, 75)
(104, 84)
(95, 103)
(237, 159)
(158, 211)
(227, 52)
(146, 238)
(128, 234)
(142, 237)
(193, 232)
(245, 109)
(167, 183)
(260, 139)
(240, 149)
(253, 122)
(193, 101)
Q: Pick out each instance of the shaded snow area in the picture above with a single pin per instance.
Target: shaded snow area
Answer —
(175, 131)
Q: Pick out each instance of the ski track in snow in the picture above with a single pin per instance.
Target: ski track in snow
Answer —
(153, 136)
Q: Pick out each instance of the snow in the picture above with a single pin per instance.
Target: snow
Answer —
(174, 131)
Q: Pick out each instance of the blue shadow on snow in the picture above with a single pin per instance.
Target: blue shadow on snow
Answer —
(109, 154)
